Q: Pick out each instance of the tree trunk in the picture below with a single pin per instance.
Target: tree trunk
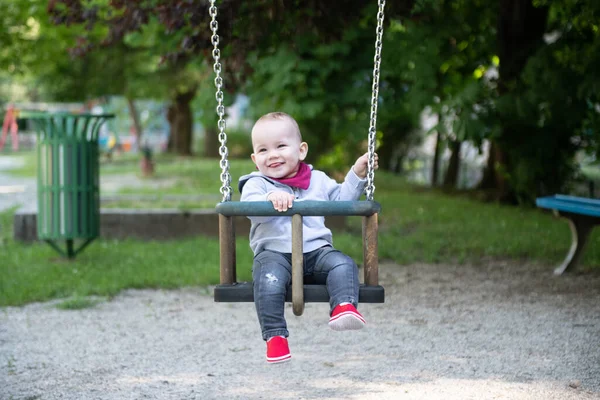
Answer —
(435, 166)
(211, 142)
(451, 177)
(488, 179)
(521, 27)
(171, 121)
(135, 118)
(398, 163)
(181, 123)
(395, 144)
(387, 153)
(502, 185)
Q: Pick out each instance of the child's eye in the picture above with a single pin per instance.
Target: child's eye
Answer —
(262, 150)
(281, 145)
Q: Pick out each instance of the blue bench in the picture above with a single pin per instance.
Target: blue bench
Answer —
(582, 214)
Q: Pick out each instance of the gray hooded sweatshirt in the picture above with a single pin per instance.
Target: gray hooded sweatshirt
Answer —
(275, 233)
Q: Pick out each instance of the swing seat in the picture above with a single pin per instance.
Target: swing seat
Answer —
(299, 292)
(229, 288)
(241, 292)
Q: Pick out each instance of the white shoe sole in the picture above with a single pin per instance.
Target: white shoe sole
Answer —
(347, 321)
(278, 360)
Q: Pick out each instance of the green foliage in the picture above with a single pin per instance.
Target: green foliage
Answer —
(436, 56)
(204, 102)
(591, 172)
(338, 160)
(51, 61)
(239, 144)
(325, 85)
(437, 60)
(460, 36)
(553, 111)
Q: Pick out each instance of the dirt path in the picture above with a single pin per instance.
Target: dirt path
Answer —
(497, 331)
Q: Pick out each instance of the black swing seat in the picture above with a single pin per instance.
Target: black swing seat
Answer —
(240, 292)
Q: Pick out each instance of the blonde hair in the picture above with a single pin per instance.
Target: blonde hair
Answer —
(278, 115)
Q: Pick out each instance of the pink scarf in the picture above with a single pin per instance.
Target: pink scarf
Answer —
(300, 180)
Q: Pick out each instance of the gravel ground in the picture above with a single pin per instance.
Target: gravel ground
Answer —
(496, 331)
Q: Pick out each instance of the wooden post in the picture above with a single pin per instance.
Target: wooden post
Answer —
(297, 266)
(370, 260)
(227, 249)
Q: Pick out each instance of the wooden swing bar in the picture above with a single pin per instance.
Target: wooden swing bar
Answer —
(308, 208)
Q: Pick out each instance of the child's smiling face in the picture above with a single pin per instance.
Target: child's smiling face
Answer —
(278, 148)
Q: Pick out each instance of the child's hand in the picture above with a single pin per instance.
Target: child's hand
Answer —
(281, 200)
(360, 166)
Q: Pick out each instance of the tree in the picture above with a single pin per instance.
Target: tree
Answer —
(462, 36)
(544, 105)
(520, 32)
(246, 29)
(37, 54)
(544, 92)
(540, 111)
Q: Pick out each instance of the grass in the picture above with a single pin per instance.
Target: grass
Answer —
(77, 302)
(29, 167)
(35, 272)
(188, 175)
(416, 225)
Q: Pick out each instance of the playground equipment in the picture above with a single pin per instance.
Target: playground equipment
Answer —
(231, 291)
(68, 178)
(10, 123)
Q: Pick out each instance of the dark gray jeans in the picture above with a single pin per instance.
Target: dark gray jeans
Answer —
(272, 275)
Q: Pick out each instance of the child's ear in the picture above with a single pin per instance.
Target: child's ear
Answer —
(303, 150)
(253, 157)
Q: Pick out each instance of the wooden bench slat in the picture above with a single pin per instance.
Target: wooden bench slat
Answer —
(571, 205)
(578, 200)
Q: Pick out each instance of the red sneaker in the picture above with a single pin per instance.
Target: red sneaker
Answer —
(345, 318)
(278, 350)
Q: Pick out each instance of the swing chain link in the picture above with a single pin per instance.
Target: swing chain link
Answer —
(370, 188)
(223, 152)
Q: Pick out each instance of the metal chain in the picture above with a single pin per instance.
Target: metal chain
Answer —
(370, 188)
(225, 176)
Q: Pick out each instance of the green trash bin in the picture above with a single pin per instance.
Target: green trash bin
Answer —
(68, 178)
